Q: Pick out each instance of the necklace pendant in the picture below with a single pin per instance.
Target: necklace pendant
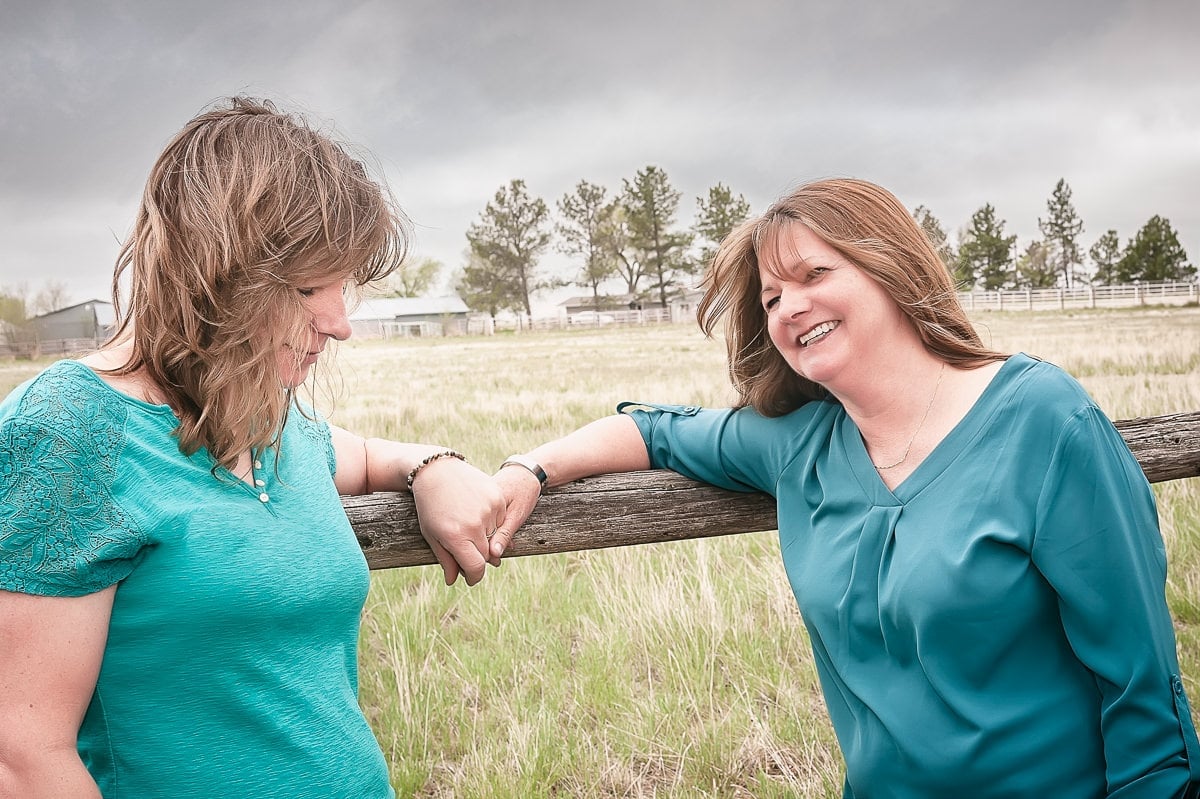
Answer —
(916, 432)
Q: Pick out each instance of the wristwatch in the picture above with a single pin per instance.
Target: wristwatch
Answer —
(529, 464)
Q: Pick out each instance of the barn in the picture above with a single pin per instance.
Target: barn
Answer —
(391, 317)
(92, 320)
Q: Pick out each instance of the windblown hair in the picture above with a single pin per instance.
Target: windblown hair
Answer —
(870, 228)
(245, 207)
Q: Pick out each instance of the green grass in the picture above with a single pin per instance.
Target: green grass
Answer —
(670, 670)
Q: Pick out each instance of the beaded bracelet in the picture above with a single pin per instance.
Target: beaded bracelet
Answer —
(446, 453)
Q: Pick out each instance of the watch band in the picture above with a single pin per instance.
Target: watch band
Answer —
(530, 465)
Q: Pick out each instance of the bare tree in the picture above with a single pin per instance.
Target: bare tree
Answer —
(53, 296)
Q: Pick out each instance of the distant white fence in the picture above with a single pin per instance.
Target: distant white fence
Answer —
(1163, 293)
(592, 320)
(1160, 293)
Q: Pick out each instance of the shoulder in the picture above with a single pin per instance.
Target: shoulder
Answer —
(58, 375)
(1052, 413)
(802, 424)
(306, 421)
(1042, 394)
(61, 438)
(61, 434)
(309, 431)
(1046, 380)
(65, 403)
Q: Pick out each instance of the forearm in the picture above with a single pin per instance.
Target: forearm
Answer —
(458, 505)
(367, 465)
(389, 463)
(610, 444)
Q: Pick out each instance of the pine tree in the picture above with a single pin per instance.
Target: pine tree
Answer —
(985, 254)
(507, 240)
(586, 232)
(650, 204)
(1155, 254)
(1105, 255)
(717, 215)
(1062, 228)
(1034, 270)
(937, 238)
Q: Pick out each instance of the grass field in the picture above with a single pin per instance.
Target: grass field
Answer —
(671, 670)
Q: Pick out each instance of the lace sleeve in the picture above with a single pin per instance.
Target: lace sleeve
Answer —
(61, 532)
(315, 429)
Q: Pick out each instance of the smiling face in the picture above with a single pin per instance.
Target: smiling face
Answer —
(325, 305)
(827, 317)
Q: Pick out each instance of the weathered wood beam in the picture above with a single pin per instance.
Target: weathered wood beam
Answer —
(1167, 447)
(615, 510)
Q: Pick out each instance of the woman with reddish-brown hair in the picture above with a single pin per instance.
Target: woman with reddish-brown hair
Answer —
(180, 589)
(973, 548)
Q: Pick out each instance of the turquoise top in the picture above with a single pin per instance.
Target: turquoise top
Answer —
(231, 664)
(996, 625)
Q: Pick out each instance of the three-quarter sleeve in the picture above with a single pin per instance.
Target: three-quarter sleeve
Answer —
(1098, 545)
(736, 449)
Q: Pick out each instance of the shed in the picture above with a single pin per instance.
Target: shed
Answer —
(389, 317)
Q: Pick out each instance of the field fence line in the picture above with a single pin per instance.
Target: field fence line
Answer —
(1168, 292)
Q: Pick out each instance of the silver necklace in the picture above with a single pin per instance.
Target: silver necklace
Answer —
(928, 408)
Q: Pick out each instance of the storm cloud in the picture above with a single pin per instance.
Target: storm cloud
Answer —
(949, 104)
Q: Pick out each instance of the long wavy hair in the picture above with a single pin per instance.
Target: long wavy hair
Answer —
(245, 207)
(871, 229)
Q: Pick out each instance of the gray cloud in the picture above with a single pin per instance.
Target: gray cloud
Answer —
(950, 104)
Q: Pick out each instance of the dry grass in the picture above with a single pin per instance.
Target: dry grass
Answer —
(675, 670)
(671, 670)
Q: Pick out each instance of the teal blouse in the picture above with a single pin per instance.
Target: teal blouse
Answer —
(230, 668)
(996, 625)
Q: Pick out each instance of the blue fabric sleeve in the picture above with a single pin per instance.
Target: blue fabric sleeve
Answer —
(1097, 543)
(736, 449)
(61, 532)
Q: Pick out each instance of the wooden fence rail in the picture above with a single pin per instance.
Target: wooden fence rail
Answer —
(647, 507)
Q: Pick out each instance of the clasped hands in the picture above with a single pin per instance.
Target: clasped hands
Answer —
(469, 517)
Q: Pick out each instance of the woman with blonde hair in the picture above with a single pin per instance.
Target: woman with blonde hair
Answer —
(180, 589)
(973, 549)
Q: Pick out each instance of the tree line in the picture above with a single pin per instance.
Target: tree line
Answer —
(634, 235)
(987, 258)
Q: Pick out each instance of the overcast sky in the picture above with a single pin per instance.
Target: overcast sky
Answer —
(949, 104)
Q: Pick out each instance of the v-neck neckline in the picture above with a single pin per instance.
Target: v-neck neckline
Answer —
(943, 454)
